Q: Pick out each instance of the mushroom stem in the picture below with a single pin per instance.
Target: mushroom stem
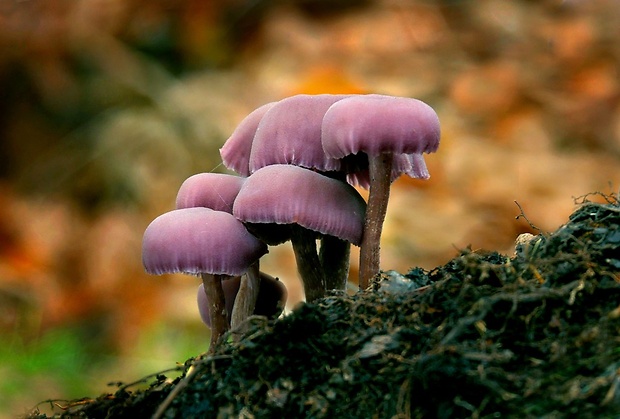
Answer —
(245, 301)
(380, 169)
(334, 257)
(308, 264)
(217, 308)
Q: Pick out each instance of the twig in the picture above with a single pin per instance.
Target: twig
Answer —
(611, 199)
(522, 215)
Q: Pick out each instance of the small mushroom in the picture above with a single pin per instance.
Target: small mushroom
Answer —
(311, 206)
(375, 128)
(217, 191)
(230, 287)
(201, 241)
(270, 303)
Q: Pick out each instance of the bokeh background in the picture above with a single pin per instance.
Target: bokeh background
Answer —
(108, 105)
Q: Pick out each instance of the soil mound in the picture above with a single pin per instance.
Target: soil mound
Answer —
(534, 335)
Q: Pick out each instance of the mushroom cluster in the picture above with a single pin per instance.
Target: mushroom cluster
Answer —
(365, 140)
(298, 160)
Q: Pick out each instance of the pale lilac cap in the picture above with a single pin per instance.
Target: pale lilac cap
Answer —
(290, 133)
(374, 124)
(211, 190)
(236, 150)
(199, 240)
(286, 194)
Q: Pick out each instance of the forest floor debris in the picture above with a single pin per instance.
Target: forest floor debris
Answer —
(535, 334)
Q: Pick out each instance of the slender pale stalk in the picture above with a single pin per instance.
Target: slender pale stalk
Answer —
(217, 307)
(308, 264)
(334, 256)
(380, 171)
(245, 301)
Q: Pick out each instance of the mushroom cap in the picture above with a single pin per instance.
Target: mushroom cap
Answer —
(290, 133)
(272, 295)
(236, 150)
(375, 124)
(199, 240)
(211, 190)
(286, 194)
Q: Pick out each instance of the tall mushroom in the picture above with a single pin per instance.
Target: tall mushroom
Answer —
(201, 241)
(377, 128)
(311, 206)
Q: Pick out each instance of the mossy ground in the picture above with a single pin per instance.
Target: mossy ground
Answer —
(536, 334)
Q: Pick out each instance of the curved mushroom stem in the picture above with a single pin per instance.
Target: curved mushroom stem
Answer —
(217, 308)
(334, 257)
(245, 301)
(308, 264)
(380, 170)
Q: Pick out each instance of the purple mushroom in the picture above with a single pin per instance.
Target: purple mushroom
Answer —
(310, 206)
(375, 128)
(270, 303)
(201, 241)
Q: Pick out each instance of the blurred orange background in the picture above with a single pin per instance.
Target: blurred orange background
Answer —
(108, 105)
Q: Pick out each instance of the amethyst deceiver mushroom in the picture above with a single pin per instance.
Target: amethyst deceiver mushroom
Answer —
(311, 206)
(272, 297)
(201, 241)
(377, 128)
